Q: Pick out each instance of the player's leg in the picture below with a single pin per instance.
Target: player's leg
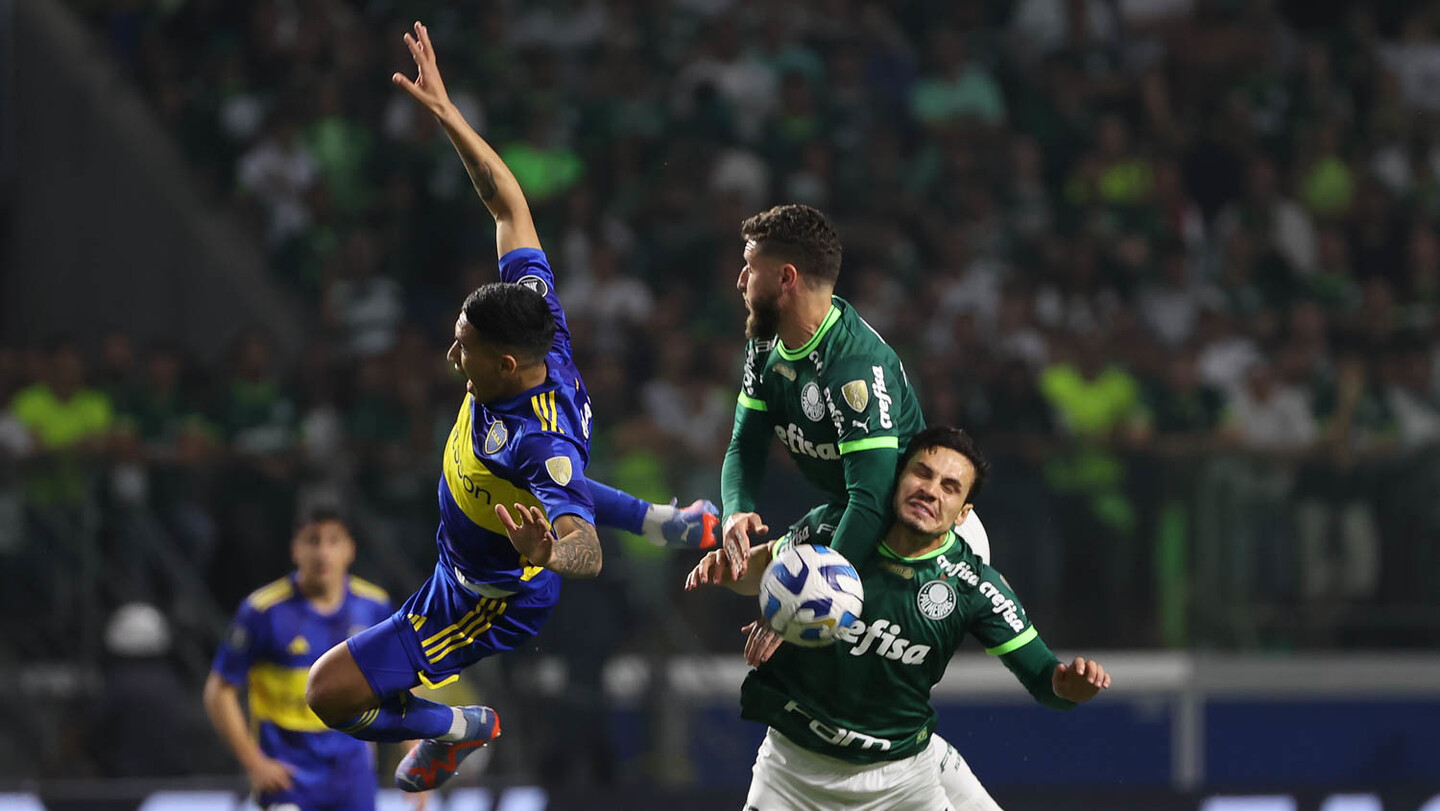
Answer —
(777, 781)
(375, 704)
(962, 787)
(694, 526)
(454, 627)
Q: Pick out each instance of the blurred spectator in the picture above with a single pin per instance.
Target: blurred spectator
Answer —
(362, 304)
(279, 173)
(1278, 222)
(145, 722)
(955, 87)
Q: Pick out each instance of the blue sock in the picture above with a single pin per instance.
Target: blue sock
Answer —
(401, 717)
(618, 509)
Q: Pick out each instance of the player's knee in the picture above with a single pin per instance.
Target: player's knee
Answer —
(330, 691)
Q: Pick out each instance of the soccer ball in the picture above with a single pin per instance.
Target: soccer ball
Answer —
(808, 592)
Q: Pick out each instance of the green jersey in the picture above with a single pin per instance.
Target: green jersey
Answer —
(842, 406)
(866, 698)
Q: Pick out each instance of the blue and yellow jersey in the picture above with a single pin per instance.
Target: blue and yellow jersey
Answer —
(531, 449)
(275, 638)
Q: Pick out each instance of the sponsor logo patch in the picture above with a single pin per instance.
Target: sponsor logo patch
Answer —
(856, 394)
(792, 437)
(936, 600)
(535, 283)
(496, 438)
(299, 646)
(560, 469)
(882, 397)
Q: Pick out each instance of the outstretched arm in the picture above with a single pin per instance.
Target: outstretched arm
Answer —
(492, 179)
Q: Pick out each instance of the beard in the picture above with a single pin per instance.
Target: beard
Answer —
(764, 319)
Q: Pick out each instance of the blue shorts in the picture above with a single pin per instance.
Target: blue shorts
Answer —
(344, 784)
(444, 628)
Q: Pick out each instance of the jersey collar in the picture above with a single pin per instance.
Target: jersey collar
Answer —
(886, 551)
(796, 354)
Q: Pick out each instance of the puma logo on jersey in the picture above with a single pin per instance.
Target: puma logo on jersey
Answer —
(863, 425)
(882, 397)
(793, 437)
(1004, 606)
(891, 645)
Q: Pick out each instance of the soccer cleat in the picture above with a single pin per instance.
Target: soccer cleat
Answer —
(693, 527)
(431, 762)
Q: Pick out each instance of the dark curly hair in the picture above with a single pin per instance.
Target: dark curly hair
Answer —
(512, 316)
(799, 235)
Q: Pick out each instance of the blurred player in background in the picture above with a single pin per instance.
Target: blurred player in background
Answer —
(851, 725)
(292, 759)
(521, 443)
(823, 381)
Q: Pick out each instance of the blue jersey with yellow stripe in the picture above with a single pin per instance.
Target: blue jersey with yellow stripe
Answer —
(531, 449)
(275, 638)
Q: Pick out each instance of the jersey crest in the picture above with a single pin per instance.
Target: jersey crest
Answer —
(811, 403)
(496, 438)
(936, 600)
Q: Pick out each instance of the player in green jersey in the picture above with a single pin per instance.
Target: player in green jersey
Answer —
(823, 381)
(831, 744)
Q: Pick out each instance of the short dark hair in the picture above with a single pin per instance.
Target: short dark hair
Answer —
(320, 513)
(799, 235)
(513, 316)
(948, 436)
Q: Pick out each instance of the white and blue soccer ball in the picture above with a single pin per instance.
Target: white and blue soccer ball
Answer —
(808, 593)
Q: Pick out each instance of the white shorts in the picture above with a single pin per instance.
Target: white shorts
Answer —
(961, 786)
(788, 777)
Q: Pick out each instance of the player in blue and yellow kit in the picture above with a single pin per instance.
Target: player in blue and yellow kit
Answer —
(290, 756)
(520, 443)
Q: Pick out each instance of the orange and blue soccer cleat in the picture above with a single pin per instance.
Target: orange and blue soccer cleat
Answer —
(695, 526)
(431, 762)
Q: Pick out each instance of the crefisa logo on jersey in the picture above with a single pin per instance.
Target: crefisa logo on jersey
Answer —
(535, 283)
(496, 437)
(882, 396)
(810, 402)
(936, 600)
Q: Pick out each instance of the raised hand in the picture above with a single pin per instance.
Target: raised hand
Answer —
(530, 535)
(1080, 680)
(427, 87)
(736, 539)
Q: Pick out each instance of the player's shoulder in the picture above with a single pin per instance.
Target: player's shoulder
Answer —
(529, 267)
(270, 595)
(365, 590)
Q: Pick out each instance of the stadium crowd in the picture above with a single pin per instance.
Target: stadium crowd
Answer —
(1174, 263)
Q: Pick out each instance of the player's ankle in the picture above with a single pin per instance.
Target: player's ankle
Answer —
(457, 728)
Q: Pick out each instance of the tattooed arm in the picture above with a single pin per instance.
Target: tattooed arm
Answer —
(492, 179)
(575, 553)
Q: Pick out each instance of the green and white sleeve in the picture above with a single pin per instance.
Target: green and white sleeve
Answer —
(858, 400)
(1000, 623)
